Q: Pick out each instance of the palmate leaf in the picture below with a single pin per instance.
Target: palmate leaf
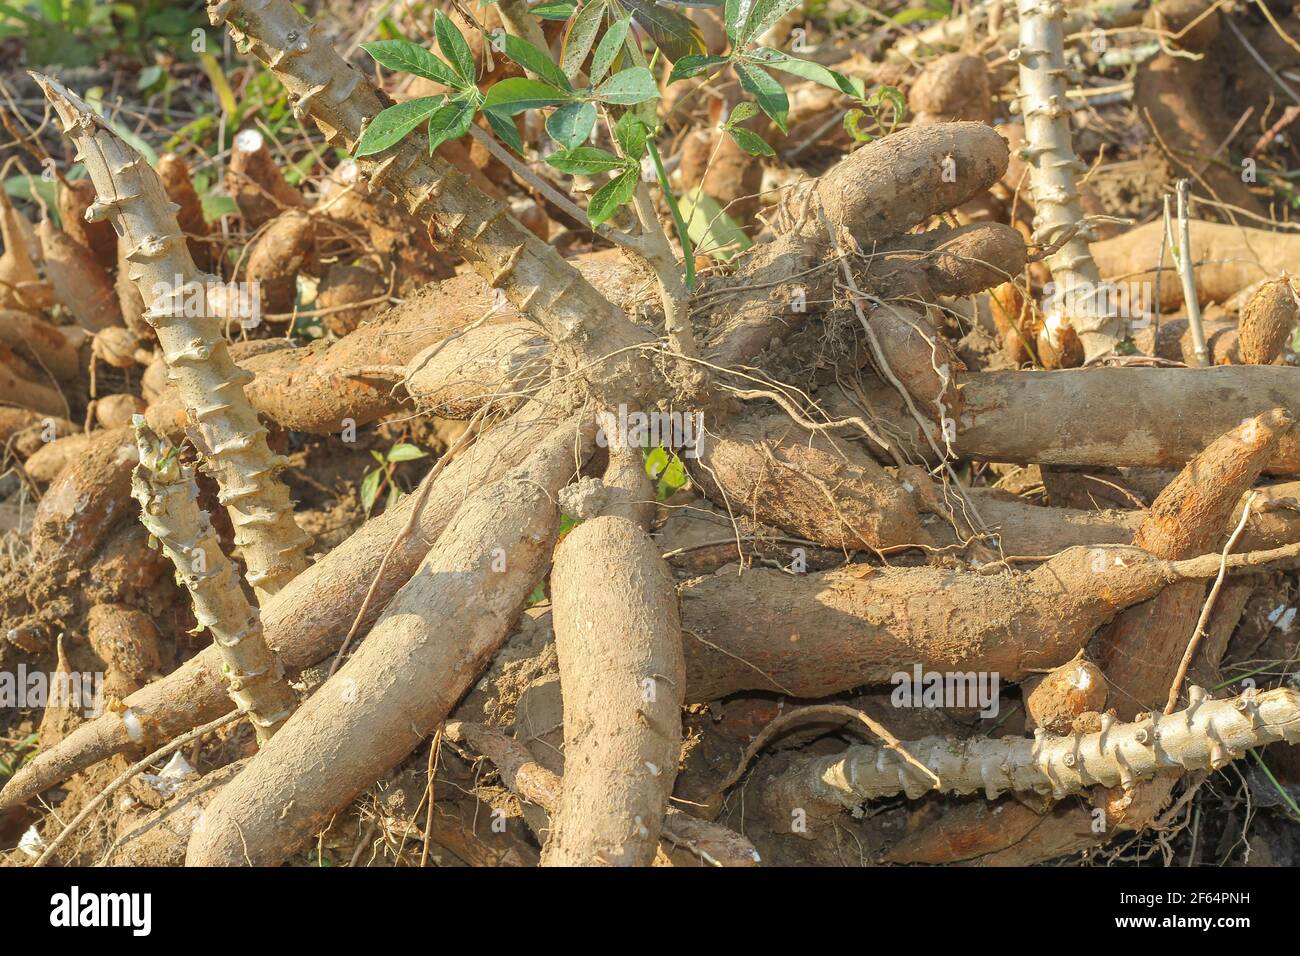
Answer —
(747, 19)
(581, 36)
(608, 49)
(519, 93)
(405, 451)
(631, 135)
(391, 125)
(674, 34)
(694, 64)
(808, 70)
(750, 141)
(586, 161)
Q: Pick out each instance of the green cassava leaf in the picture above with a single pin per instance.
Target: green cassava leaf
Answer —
(391, 125)
(505, 129)
(531, 59)
(451, 122)
(517, 94)
(606, 200)
(674, 34)
(808, 70)
(411, 58)
(405, 451)
(571, 124)
(556, 10)
(769, 94)
(748, 19)
(586, 161)
(454, 48)
(608, 49)
(630, 132)
(581, 36)
(692, 65)
(627, 88)
(370, 488)
(750, 141)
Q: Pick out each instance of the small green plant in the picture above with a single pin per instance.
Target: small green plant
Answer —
(667, 470)
(18, 754)
(382, 476)
(603, 80)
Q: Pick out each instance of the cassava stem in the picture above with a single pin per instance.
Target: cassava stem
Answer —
(1207, 735)
(209, 382)
(1049, 152)
(589, 332)
(169, 510)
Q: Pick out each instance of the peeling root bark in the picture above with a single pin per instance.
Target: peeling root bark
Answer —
(421, 656)
(619, 643)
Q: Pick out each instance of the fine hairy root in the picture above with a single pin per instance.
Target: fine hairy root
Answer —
(619, 644)
(169, 508)
(210, 384)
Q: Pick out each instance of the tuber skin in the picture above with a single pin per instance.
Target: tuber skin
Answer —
(812, 485)
(619, 642)
(80, 283)
(1087, 416)
(179, 186)
(530, 781)
(53, 349)
(1055, 700)
(254, 179)
(1192, 515)
(281, 252)
(74, 199)
(86, 501)
(1266, 322)
(878, 192)
(421, 656)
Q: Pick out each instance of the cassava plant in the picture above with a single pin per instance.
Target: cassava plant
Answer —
(600, 115)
